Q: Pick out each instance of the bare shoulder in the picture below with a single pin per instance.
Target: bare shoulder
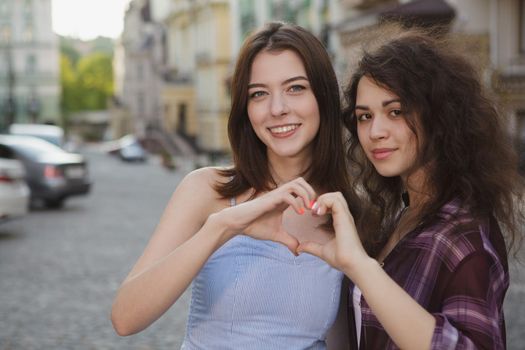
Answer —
(190, 205)
(210, 175)
(192, 202)
(198, 186)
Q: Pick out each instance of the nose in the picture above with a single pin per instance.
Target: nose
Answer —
(378, 128)
(278, 106)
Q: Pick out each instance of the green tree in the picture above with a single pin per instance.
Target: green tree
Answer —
(86, 85)
(95, 80)
(68, 81)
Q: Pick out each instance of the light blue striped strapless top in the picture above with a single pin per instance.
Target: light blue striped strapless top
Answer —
(254, 294)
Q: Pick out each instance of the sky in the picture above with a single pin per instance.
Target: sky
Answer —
(87, 19)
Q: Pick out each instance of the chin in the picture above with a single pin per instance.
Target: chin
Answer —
(386, 172)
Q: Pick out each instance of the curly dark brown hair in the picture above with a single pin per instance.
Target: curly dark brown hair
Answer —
(465, 144)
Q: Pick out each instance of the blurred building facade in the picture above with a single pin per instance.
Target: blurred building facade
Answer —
(195, 44)
(492, 33)
(507, 56)
(137, 65)
(198, 54)
(203, 38)
(29, 63)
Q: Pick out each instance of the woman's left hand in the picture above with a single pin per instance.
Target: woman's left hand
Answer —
(344, 251)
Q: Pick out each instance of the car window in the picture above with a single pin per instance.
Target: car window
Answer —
(53, 139)
(6, 152)
(33, 147)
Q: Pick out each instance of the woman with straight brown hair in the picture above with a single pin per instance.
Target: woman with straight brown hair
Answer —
(234, 231)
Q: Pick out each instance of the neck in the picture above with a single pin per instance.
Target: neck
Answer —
(417, 189)
(286, 169)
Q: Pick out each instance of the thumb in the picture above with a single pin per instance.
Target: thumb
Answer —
(311, 248)
(288, 240)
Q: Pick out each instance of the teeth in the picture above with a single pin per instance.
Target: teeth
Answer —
(283, 129)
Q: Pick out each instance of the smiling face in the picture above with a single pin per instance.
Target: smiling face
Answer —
(282, 107)
(383, 132)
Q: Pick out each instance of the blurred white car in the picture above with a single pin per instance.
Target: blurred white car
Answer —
(14, 192)
(50, 133)
(128, 148)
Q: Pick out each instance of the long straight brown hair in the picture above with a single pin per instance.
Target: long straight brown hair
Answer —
(328, 170)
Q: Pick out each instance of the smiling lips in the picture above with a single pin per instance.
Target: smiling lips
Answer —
(284, 130)
(382, 153)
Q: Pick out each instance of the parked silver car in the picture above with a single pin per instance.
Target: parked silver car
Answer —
(51, 173)
(14, 192)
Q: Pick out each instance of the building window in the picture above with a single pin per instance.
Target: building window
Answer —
(6, 34)
(248, 22)
(140, 71)
(141, 105)
(182, 119)
(28, 33)
(31, 64)
(522, 26)
(3, 9)
(520, 139)
(28, 6)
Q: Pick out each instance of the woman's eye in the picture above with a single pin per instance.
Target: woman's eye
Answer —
(363, 117)
(396, 112)
(257, 94)
(296, 88)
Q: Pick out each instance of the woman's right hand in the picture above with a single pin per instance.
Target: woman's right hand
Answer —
(261, 218)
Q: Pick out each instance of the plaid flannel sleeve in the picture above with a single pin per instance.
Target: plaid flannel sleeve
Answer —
(472, 316)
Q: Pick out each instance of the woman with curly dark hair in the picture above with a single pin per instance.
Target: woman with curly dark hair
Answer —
(436, 167)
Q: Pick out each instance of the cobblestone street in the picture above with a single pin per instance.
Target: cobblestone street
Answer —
(59, 269)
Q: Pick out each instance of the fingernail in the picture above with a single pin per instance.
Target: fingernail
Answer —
(301, 211)
(318, 210)
(314, 205)
(312, 202)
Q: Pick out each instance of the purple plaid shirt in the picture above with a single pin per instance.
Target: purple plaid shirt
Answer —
(456, 268)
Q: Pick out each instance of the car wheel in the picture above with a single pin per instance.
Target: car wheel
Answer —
(54, 203)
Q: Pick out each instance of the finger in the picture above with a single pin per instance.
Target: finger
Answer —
(288, 240)
(297, 189)
(312, 195)
(333, 202)
(320, 208)
(311, 248)
(295, 203)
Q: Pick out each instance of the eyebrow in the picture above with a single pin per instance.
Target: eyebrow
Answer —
(385, 103)
(287, 81)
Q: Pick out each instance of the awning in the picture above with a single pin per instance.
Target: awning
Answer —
(421, 12)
